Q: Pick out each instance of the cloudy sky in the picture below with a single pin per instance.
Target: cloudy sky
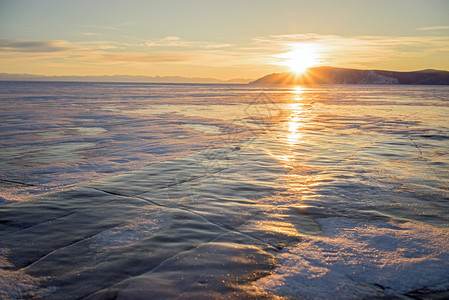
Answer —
(220, 39)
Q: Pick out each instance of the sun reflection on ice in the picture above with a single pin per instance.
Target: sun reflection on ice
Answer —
(295, 123)
(295, 117)
(296, 111)
(297, 90)
(297, 114)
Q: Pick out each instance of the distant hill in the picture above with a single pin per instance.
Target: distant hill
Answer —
(118, 78)
(330, 75)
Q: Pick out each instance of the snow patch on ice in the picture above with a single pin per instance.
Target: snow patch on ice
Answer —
(16, 283)
(353, 260)
(207, 129)
(133, 231)
(89, 130)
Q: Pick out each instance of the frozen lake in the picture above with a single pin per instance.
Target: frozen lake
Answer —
(164, 191)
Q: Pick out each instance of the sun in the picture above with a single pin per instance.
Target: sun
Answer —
(301, 57)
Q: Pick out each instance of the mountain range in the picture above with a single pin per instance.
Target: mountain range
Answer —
(318, 75)
(331, 75)
(118, 78)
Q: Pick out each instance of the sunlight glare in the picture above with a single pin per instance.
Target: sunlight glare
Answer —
(301, 57)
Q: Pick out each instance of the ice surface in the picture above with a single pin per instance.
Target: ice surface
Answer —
(140, 190)
(97, 131)
(144, 222)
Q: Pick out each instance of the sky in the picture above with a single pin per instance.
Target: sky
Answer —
(218, 39)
